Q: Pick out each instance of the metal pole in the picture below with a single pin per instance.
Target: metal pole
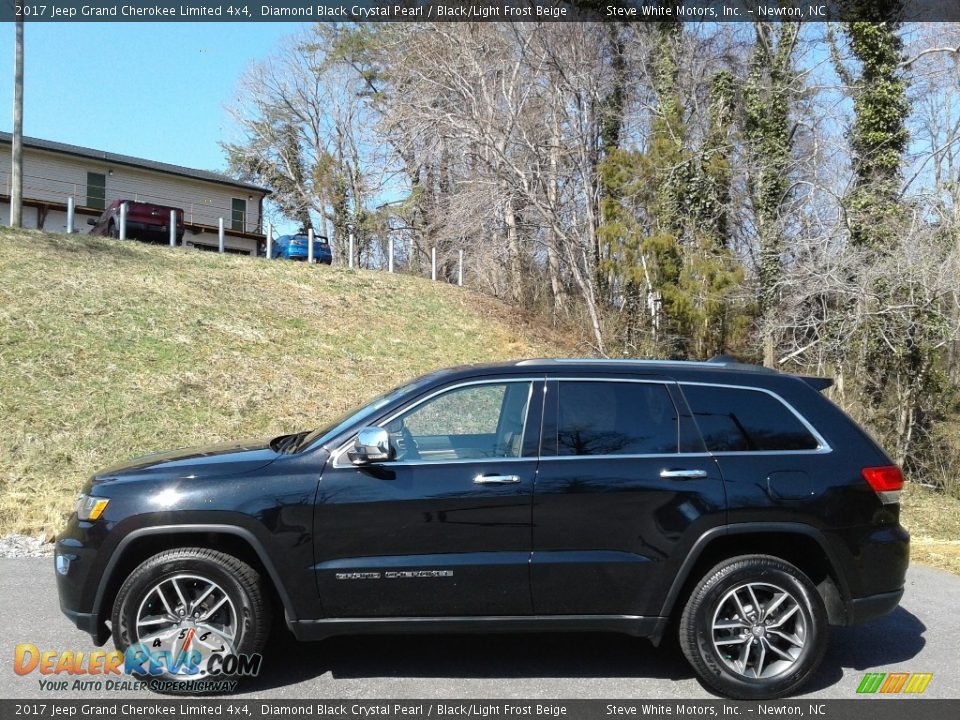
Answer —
(310, 246)
(70, 211)
(123, 220)
(220, 235)
(460, 273)
(433, 264)
(390, 252)
(173, 228)
(351, 248)
(16, 145)
(269, 241)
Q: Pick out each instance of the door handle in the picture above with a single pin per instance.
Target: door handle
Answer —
(683, 474)
(496, 479)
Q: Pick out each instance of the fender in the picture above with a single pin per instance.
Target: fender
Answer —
(712, 534)
(195, 528)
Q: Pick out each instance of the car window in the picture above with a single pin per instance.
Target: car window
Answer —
(746, 420)
(473, 421)
(615, 418)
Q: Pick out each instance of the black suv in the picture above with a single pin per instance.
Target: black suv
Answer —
(733, 505)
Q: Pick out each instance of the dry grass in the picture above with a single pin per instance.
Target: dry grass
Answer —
(933, 520)
(109, 350)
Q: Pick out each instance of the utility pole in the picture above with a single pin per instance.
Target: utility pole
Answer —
(16, 172)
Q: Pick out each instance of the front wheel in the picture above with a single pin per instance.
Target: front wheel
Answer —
(756, 628)
(181, 607)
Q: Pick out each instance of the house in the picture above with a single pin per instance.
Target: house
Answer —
(53, 172)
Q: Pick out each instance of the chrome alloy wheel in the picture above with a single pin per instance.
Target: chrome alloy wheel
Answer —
(190, 617)
(759, 630)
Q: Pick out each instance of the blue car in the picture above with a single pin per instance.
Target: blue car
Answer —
(294, 247)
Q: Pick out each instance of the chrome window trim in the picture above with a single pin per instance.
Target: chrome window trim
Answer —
(632, 456)
(341, 451)
(823, 445)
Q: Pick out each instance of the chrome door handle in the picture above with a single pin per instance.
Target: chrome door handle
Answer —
(683, 474)
(496, 479)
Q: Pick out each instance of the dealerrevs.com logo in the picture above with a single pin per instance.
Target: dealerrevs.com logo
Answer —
(894, 683)
(189, 669)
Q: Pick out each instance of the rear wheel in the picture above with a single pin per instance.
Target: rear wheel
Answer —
(756, 628)
(113, 230)
(189, 604)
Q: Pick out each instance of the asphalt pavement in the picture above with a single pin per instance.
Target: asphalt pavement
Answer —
(922, 635)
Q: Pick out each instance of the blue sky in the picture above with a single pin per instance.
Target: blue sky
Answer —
(153, 90)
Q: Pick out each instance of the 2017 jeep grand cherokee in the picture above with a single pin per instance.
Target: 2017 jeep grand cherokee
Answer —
(736, 506)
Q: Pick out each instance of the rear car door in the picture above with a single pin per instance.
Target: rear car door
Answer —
(760, 439)
(443, 529)
(624, 487)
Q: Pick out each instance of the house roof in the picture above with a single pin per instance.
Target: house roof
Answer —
(130, 161)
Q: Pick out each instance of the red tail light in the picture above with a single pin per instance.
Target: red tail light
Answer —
(886, 481)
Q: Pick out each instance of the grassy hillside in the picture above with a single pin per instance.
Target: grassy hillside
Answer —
(111, 349)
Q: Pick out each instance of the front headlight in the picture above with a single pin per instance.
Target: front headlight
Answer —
(90, 507)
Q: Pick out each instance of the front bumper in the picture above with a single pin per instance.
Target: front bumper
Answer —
(89, 623)
(78, 574)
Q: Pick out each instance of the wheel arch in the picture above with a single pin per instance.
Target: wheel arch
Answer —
(801, 545)
(147, 542)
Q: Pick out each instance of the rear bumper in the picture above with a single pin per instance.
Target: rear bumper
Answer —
(861, 610)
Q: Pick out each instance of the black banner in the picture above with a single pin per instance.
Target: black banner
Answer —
(875, 708)
(468, 10)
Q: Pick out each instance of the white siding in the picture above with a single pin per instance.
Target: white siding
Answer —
(53, 177)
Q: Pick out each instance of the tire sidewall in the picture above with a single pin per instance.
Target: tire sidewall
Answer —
(811, 606)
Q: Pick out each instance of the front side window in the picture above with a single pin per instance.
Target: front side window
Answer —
(615, 418)
(474, 421)
(745, 420)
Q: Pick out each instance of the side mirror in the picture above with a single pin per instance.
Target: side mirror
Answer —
(372, 445)
(91, 221)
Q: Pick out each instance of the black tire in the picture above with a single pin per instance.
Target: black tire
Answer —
(716, 653)
(113, 230)
(248, 602)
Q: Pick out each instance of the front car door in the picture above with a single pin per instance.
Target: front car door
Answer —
(624, 484)
(444, 528)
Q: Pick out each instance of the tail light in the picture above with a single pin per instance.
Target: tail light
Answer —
(886, 481)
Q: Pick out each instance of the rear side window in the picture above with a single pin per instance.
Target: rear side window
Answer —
(615, 418)
(744, 420)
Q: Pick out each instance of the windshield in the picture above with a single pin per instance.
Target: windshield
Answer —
(357, 416)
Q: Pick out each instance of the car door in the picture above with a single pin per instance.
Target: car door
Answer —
(444, 528)
(623, 487)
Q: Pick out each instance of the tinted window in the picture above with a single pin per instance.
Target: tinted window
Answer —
(732, 419)
(615, 418)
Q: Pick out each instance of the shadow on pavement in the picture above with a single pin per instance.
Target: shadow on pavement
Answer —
(886, 641)
(893, 639)
(467, 656)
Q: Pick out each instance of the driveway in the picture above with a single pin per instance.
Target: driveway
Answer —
(920, 636)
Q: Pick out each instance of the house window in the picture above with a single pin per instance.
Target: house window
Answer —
(96, 190)
(239, 210)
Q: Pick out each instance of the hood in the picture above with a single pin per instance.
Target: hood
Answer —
(231, 458)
